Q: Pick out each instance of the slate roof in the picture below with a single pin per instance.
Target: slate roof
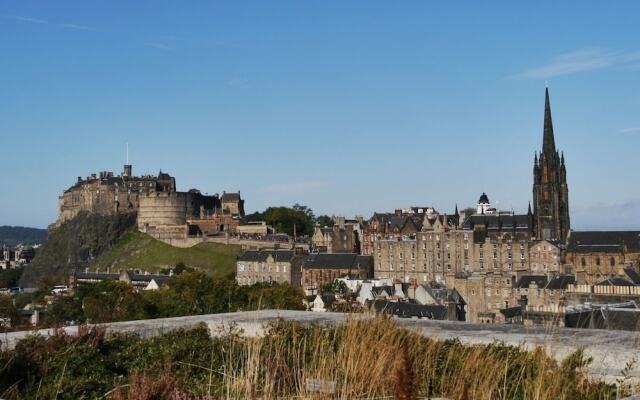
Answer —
(337, 261)
(526, 280)
(377, 290)
(627, 319)
(102, 276)
(615, 282)
(499, 221)
(633, 275)
(160, 279)
(408, 310)
(262, 255)
(560, 282)
(603, 241)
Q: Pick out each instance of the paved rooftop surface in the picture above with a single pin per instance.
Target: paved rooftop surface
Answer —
(610, 350)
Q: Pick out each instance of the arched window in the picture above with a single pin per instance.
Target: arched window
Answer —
(583, 262)
(612, 261)
(598, 261)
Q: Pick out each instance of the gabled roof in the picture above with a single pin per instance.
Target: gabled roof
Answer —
(378, 290)
(603, 241)
(262, 255)
(526, 280)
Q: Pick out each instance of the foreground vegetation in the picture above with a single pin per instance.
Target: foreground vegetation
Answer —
(137, 250)
(190, 293)
(372, 359)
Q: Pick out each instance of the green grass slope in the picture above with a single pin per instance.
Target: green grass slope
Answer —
(138, 250)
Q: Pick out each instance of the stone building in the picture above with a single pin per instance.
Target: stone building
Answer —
(484, 294)
(546, 257)
(266, 266)
(322, 268)
(388, 226)
(106, 193)
(342, 237)
(162, 211)
(597, 255)
(232, 203)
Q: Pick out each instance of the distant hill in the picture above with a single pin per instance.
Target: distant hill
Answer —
(75, 244)
(138, 250)
(14, 235)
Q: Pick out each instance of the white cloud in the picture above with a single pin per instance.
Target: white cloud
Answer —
(630, 130)
(42, 21)
(580, 61)
(26, 19)
(74, 26)
(293, 187)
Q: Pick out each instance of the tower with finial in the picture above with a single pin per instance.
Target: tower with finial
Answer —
(550, 190)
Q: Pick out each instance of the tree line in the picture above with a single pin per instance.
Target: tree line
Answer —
(297, 219)
(190, 293)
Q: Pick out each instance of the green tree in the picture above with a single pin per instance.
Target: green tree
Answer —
(64, 309)
(325, 220)
(109, 301)
(284, 219)
(8, 310)
(469, 211)
(9, 277)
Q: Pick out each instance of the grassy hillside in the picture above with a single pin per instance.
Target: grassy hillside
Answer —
(137, 250)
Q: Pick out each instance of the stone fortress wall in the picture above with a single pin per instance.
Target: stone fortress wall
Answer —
(162, 211)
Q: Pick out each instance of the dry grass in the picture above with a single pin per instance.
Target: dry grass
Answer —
(375, 359)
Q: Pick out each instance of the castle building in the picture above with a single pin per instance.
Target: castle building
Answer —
(162, 211)
(106, 193)
(550, 190)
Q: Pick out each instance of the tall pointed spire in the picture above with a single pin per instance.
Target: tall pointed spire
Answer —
(548, 142)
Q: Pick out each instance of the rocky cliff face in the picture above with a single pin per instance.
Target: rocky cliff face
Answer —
(74, 244)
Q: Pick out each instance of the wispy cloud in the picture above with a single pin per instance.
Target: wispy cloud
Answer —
(32, 20)
(294, 187)
(25, 19)
(580, 61)
(630, 130)
(74, 26)
(159, 46)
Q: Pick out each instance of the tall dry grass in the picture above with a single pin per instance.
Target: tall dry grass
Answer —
(374, 359)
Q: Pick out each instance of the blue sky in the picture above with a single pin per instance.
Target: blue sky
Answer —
(348, 107)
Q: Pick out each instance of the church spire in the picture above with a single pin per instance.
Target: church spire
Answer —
(548, 142)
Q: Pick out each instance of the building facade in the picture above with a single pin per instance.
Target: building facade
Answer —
(268, 266)
(322, 268)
